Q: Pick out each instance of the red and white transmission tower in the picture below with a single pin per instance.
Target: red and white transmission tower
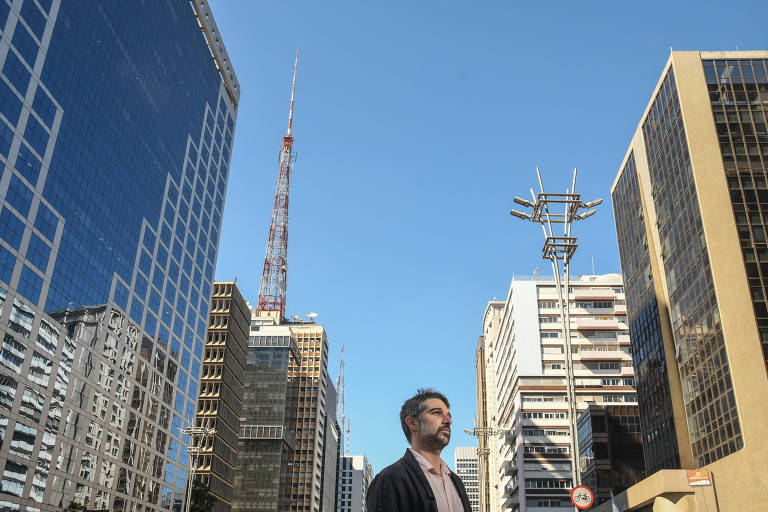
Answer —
(340, 395)
(347, 450)
(273, 278)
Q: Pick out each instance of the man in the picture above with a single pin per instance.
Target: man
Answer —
(420, 480)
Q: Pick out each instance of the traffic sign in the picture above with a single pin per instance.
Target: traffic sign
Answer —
(582, 497)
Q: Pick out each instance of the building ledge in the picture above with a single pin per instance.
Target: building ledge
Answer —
(666, 486)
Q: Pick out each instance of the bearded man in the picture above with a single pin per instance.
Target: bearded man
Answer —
(421, 481)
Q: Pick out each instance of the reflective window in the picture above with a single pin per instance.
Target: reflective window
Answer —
(23, 440)
(32, 404)
(11, 228)
(8, 388)
(15, 70)
(694, 311)
(40, 369)
(12, 354)
(13, 480)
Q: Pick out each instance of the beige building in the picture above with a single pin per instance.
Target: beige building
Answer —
(221, 392)
(529, 461)
(312, 400)
(691, 208)
(485, 376)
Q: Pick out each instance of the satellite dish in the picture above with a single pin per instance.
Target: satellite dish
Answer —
(312, 315)
(295, 317)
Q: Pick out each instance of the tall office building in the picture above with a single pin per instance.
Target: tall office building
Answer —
(533, 468)
(267, 439)
(219, 404)
(115, 141)
(288, 440)
(354, 476)
(485, 390)
(466, 464)
(691, 209)
(611, 449)
(313, 398)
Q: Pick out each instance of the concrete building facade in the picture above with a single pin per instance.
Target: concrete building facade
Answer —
(355, 475)
(313, 400)
(533, 472)
(220, 401)
(267, 436)
(289, 439)
(466, 464)
(111, 194)
(690, 202)
(485, 382)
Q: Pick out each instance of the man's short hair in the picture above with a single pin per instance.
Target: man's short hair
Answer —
(414, 406)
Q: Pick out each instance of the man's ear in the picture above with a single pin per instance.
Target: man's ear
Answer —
(413, 425)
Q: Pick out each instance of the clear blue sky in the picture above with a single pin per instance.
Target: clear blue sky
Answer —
(415, 125)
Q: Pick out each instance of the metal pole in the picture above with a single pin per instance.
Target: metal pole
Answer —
(555, 249)
(202, 434)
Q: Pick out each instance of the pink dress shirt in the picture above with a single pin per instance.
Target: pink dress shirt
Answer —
(447, 497)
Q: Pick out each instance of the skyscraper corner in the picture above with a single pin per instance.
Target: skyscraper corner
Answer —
(690, 203)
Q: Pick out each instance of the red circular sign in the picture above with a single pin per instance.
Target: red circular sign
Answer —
(582, 497)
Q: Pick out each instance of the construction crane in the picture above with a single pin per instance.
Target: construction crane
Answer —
(273, 277)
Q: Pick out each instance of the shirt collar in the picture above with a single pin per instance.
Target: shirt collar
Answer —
(425, 464)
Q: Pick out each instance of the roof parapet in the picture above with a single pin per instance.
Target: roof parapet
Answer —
(216, 46)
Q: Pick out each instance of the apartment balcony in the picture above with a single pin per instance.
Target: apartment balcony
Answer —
(592, 294)
(509, 462)
(512, 501)
(510, 469)
(623, 339)
(547, 406)
(509, 489)
(597, 325)
(547, 473)
(601, 355)
(548, 439)
(620, 309)
(594, 372)
(546, 422)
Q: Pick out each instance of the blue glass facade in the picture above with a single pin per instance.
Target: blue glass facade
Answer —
(116, 132)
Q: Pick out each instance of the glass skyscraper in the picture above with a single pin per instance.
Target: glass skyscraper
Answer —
(116, 126)
(691, 203)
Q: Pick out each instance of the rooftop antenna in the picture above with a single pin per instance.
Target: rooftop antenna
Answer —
(340, 394)
(273, 278)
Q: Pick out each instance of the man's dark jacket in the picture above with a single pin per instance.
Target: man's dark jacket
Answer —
(403, 487)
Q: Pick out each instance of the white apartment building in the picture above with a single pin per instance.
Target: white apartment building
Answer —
(530, 470)
(465, 462)
(355, 475)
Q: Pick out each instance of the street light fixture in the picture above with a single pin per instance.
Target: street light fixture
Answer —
(520, 215)
(559, 248)
(198, 437)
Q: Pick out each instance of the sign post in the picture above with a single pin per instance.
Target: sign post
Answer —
(582, 497)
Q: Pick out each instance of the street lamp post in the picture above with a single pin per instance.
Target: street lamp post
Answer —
(198, 438)
(550, 210)
(482, 453)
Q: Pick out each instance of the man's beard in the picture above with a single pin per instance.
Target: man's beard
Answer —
(433, 440)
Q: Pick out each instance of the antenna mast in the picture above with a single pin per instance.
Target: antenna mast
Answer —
(273, 277)
(340, 395)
